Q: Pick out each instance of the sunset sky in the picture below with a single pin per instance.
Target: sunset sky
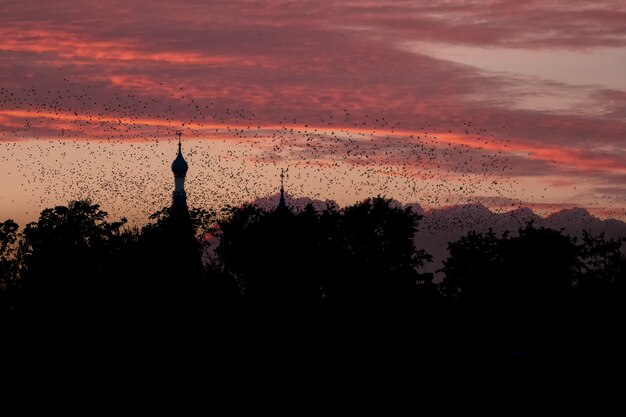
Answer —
(505, 103)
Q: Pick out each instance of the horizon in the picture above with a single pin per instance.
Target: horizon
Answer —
(159, 184)
(298, 203)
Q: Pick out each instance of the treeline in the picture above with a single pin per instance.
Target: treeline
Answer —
(349, 267)
(74, 259)
(363, 256)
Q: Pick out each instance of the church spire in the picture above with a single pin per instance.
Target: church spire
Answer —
(281, 204)
(179, 168)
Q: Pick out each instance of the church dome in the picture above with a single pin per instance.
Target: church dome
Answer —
(179, 166)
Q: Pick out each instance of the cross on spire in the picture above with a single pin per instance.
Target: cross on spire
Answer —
(179, 134)
(281, 204)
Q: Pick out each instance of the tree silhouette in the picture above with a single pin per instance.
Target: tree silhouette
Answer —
(542, 266)
(514, 292)
(8, 264)
(538, 293)
(63, 257)
(376, 254)
(603, 259)
(472, 267)
(170, 278)
(537, 267)
(601, 285)
(359, 254)
(269, 254)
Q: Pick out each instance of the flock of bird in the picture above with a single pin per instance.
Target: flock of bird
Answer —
(71, 142)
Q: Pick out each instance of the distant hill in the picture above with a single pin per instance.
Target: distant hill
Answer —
(574, 221)
(440, 226)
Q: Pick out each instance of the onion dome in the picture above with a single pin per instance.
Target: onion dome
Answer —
(179, 166)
